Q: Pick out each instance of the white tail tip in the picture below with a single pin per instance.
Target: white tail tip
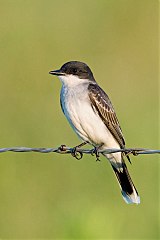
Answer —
(134, 198)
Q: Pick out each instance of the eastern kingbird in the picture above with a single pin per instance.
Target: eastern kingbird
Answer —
(90, 113)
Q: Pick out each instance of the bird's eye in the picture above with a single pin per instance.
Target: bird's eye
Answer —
(74, 70)
(64, 69)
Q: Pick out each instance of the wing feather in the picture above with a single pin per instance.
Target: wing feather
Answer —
(101, 102)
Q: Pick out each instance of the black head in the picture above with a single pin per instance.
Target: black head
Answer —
(76, 68)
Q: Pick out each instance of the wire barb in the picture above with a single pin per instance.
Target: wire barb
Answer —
(63, 149)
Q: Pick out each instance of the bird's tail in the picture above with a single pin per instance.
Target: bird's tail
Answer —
(128, 189)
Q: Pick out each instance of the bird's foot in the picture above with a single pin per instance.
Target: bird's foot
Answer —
(96, 153)
(77, 154)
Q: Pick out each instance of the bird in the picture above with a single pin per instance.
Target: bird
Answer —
(91, 115)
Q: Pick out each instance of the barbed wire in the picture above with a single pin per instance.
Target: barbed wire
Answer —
(78, 152)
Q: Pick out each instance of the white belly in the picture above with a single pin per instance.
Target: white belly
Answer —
(84, 120)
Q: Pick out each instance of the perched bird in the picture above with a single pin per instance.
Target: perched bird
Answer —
(90, 113)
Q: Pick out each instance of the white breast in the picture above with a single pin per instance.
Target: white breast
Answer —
(83, 119)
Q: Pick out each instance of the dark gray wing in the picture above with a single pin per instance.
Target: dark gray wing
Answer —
(101, 102)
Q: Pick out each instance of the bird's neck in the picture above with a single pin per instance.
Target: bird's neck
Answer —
(72, 81)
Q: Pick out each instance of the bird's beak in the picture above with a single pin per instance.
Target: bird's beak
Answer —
(57, 72)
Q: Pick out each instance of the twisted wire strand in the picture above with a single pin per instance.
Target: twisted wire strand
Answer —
(64, 150)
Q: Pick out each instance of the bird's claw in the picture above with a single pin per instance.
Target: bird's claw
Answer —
(96, 153)
(78, 155)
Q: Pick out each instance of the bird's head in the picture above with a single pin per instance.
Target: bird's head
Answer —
(74, 72)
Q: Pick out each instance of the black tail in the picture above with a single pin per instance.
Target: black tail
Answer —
(128, 189)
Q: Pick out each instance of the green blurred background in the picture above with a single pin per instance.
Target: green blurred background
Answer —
(56, 196)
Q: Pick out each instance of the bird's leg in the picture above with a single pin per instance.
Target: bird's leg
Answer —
(96, 151)
(75, 153)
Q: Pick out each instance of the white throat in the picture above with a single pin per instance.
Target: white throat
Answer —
(72, 80)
